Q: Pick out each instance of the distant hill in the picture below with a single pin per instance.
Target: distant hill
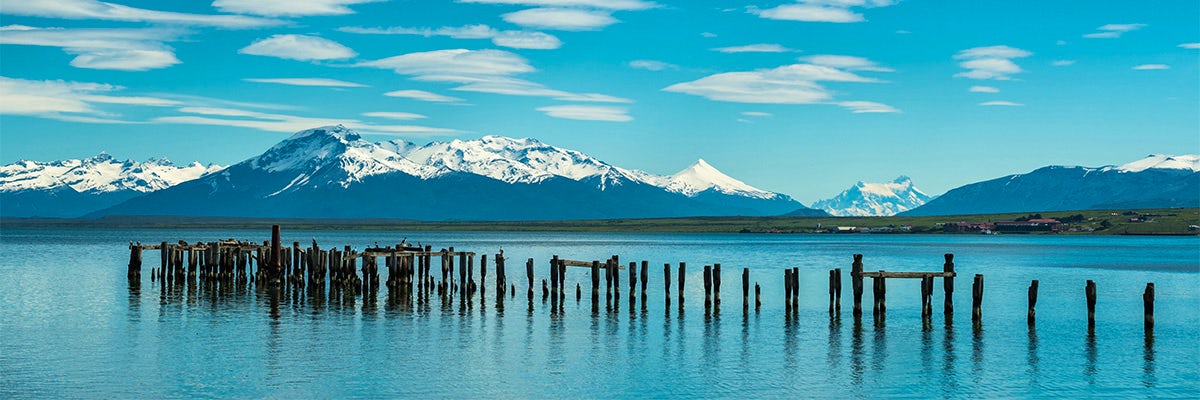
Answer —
(331, 172)
(1157, 181)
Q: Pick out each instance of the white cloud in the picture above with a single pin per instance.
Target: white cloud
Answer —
(1151, 67)
(1062, 63)
(284, 123)
(484, 71)
(115, 49)
(984, 89)
(652, 65)
(616, 5)
(324, 82)
(62, 100)
(394, 115)
(1112, 31)
(512, 39)
(755, 48)
(850, 63)
(757, 114)
(299, 47)
(838, 11)
(991, 62)
(1061, 42)
(708, 34)
(565, 19)
(1190, 45)
(588, 113)
(288, 8)
(867, 107)
(98, 10)
(423, 96)
(789, 84)
(1001, 103)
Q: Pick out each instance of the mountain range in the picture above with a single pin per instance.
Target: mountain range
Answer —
(70, 188)
(875, 199)
(1157, 181)
(332, 172)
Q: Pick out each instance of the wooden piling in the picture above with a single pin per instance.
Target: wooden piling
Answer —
(716, 275)
(667, 281)
(745, 289)
(682, 275)
(554, 276)
(977, 299)
(1148, 305)
(632, 280)
(645, 275)
(1090, 292)
(529, 276)
(1033, 294)
(795, 287)
(708, 285)
(757, 297)
(787, 288)
(856, 282)
(595, 280)
(276, 269)
(948, 283)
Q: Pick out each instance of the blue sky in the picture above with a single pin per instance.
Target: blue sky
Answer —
(800, 97)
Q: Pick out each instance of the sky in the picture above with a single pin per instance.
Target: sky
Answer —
(799, 97)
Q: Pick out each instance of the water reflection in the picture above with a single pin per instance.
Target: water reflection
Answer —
(1089, 368)
(977, 353)
(949, 379)
(1032, 358)
(856, 353)
(1148, 377)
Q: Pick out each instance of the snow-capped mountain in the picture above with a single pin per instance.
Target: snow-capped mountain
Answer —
(875, 199)
(71, 187)
(333, 172)
(1157, 181)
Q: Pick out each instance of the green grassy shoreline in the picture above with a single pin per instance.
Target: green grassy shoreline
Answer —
(1175, 221)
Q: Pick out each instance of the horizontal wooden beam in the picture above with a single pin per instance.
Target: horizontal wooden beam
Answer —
(588, 264)
(908, 275)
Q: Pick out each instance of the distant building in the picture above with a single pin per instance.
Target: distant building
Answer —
(1033, 225)
(967, 227)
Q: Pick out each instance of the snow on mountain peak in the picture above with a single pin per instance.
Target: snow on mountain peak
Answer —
(99, 174)
(1189, 162)
(701, 176)
(875, 199)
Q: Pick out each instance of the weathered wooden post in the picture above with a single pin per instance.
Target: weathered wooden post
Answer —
(608, 279)
(745, 289)
(616, 278)
(135, 261)
(554, 276)
(1033, 294)
(787, 288)
(667, 281)
(880, 295)
(1090, 292)
(707, 286)
(276, 257)
(546, 291)
(682, 275)
(716, 276)
(948, 283)
(632, 281)
(595, 280)
(645, 275)
(757, 297)
(529, 276)
(926, 297)
(163, 257)
(977, 299)
(482, 275)
(578, 293)
(1148, 305)
(795, 288)
(832, 278)
(856, 282)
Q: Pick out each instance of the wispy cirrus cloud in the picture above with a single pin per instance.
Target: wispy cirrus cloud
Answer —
(288, 8)
(991, 62)
(652, 65)
(321, 82)
(588, 113)
(505, 38)
(788, 84)
(1000, 103)
(68, 101)
(1190, 45)
(271, 122)
(755, 48)
(404, 116)
(867, 107)
(299, 47)
(99, 10)
(1151, 67)
(759, 114)
(850, 63)
(423, 96)
(983, 89)
(134, 49)
(837, 11)
(482, 71)
(616, 5)
(1113, 31)
(562, 19)
(1062, 63)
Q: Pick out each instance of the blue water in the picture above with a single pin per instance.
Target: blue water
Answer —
(71, 326)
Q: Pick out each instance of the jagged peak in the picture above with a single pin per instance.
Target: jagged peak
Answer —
(339, 131)
(903, 180)
(702, 176)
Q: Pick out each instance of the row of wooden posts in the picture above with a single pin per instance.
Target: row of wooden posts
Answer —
(232, 262)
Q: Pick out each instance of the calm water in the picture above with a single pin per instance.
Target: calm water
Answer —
(70, 325)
